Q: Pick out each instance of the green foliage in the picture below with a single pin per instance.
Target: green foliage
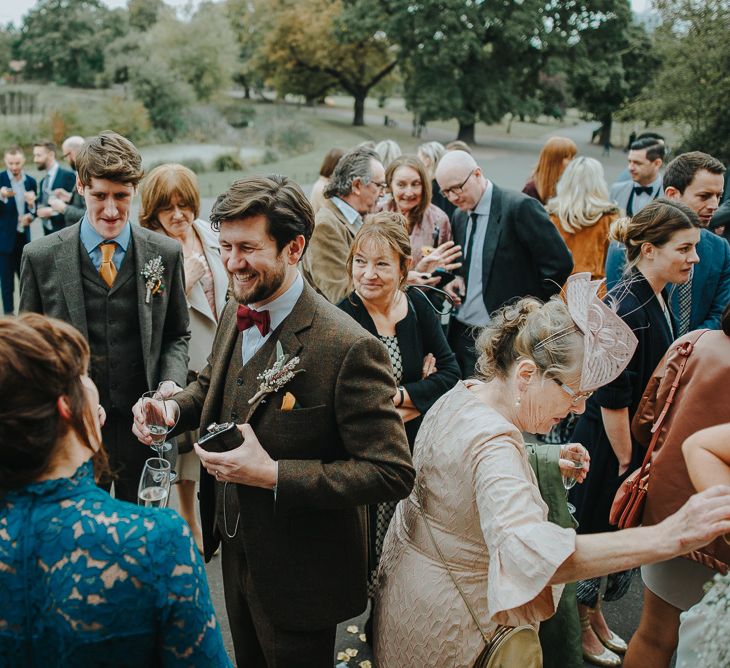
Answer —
(237, 114)
(289, 137)
(128, 117)
(143, 14)
(165, 96)
(692, 86)
(8, 36)
(226, 162)
(64, 40)
(194, 164)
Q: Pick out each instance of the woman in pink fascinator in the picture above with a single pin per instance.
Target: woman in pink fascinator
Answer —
(470, 553)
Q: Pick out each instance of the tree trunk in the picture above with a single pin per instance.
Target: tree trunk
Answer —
(466, 133)
(359, 118)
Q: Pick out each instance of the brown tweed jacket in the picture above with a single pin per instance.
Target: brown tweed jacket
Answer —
(344, 448)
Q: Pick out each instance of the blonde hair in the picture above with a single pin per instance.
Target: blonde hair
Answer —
(550, 165)
(527, 329)
(581, 198)
(158, 189)
(655, 224)
(434, 151)
(386, 229)
(388, 150)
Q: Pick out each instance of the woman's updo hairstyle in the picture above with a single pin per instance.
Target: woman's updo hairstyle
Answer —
(654, 224)
(41, 359)
(528, 329)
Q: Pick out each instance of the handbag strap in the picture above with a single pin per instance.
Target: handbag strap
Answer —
(685, 350)
(487, 639)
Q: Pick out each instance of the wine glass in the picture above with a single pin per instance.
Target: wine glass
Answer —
(569, 482)
(154, 483)
(159, 419)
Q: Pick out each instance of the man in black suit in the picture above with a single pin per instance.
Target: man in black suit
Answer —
(44, 157)
(511, 250)
(69, 204)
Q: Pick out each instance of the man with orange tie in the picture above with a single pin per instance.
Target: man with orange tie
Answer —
(122, 286)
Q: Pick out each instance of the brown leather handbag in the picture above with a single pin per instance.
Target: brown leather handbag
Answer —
(627, 509)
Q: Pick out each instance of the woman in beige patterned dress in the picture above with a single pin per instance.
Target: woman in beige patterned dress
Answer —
(482, 502)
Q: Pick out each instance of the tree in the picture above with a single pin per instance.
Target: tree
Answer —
(143, 14)
(8, 36)
(246, 19)
(64, 40)
(692, 85)
(311, 46)
(613, 61)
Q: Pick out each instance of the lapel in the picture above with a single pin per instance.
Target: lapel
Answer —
(144, 250)
(197, 298)
(491, 239)
(68, 263)
(287, 333)
(351, 229)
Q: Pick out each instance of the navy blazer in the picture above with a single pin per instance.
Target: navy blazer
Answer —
(523, 254)
(710, 281)
(65, 179)
(9, 214)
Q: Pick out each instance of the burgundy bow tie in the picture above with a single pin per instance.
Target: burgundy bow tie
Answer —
(247, 317)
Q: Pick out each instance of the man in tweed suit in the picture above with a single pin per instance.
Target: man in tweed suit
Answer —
(91, 275)
(288, 503)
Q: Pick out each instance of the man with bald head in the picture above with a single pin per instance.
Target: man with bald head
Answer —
(511, 250)
(69, 204)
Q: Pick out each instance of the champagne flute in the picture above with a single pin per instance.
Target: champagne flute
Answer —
(154, 483)
(158, 415)
(569, 482)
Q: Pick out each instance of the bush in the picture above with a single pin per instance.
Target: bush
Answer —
(165, 96)
(238, 115)
(195, 164)
(20, 132)
(269, 156)
(204, 123)
(289, 137)
(227, 162)
(128, 117)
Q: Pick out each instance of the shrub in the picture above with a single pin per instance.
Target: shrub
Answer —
(289, 137)
(227, 162)
(238, 115)
(204, 123)
(128, 117)
(195, 164)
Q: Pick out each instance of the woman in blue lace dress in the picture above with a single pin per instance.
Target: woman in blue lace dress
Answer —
(85, 580)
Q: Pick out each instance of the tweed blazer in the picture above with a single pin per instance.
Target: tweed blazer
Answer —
(324, 264)
(342, 448)
(51, 284)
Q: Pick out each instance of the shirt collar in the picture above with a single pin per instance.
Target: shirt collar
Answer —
(91, 238)
(52, 172)
(352, 216)
(20, 179)
(485, 203)
(655, 185)
(282, 306)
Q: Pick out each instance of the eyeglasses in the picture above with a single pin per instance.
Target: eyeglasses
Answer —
(457, 190)
(380, 185)
(575, 397)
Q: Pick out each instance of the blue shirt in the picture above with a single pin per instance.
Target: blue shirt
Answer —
(473, 312)
(86, 579)
(91, 240)
(352, 216)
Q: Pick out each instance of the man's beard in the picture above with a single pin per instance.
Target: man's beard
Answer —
(266, 285)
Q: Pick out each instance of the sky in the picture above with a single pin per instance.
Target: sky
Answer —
(14, 10)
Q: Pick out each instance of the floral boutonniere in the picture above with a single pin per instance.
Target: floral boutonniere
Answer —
(273, 379)
(152, 273)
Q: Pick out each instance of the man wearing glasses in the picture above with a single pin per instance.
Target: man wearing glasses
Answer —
(353, 191)
(511, 250)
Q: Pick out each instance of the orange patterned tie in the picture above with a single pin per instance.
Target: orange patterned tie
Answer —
(107, 270)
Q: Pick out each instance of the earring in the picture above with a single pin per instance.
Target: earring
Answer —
(519, 400)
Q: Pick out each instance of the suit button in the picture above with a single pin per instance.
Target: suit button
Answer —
(234, 416)
(239, 381)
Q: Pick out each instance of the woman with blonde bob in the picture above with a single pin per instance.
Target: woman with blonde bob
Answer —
(554, 158)
(170, 206)
(476, 497)
(424, 368)
(582, 213)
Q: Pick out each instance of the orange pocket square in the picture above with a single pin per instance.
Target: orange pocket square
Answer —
(288, 402)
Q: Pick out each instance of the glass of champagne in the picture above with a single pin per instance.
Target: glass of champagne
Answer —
(159, 419)
(154, 483)
(569, 482)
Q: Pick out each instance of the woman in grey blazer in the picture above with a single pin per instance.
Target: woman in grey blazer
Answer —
(171, 205)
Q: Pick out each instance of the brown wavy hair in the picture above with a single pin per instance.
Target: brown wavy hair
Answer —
(42, 359)
(415, 215)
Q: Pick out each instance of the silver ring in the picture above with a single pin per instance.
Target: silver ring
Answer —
(217, 475)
